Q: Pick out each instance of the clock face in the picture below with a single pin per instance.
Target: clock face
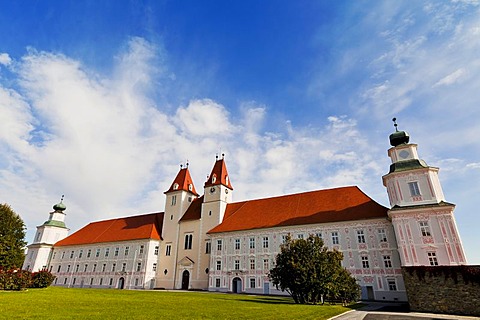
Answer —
(404, 154)
(212, 189)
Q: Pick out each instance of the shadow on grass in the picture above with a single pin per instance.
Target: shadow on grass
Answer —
(268, 300)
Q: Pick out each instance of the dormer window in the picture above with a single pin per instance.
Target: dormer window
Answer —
(190, 187)
(175, 186)
(214, 178)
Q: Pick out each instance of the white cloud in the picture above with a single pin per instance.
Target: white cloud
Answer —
(5, 59)
(106, 144)
(452, 78)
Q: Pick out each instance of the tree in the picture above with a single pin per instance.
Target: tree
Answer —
(12, 238)
(309, 272)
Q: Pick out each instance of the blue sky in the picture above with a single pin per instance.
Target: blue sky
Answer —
(103, 100)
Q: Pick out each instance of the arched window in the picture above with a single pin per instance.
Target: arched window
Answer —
(214, 178)
(175, 186)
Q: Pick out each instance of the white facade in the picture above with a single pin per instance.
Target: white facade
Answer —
(126, 264)
(240, 261)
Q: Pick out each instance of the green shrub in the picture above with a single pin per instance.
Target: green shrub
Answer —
(15, 279)
(42, 279)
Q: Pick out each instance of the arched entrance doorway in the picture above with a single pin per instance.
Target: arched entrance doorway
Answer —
(237, 285)
(121, 283)
(185, 279)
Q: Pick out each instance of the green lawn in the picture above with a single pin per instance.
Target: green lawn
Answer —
(62, 303)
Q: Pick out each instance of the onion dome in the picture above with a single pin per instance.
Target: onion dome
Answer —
(60, 206)
(398, 137)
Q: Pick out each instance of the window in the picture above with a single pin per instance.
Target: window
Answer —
(319, 234)
(89, 253)
(97, 254)
(91, 281)
(252, 264)
(59, 267)
(111, 281)
(174, 200)
(54, 254)
(284, 238)
(208, 247)
(65, 281)
(51, 268)
(414, 190)
(124, 266)
(141, 249)
(365, 263)
(392, 285)
(382, 235)
(101, 281)
(188, 241)
(237, 244)
(126, 251)
(116, 252)
(71, 254)
(265, 242)
(104, 266)
(219, 245)
(139, 266)
(432, 258)
(155, 252)
(94, 267)
(77, 267)
(335, 239)
(154, 267)
(424, 228)
(252, 243)
(107, 252)
(252, 283)
(175, 186)
(387, 261)
(217, 282)
(113, 267)
(237, 265)
(63, 254)
(68, 268)
(300, 236)
(80, 254)
(360, 236)
(219, 265)
(85, 268)
(266, 264)
(168, 249)
(74, 280)
(190, 187)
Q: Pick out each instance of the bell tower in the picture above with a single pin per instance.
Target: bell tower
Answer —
(424, 223)
(50, 232)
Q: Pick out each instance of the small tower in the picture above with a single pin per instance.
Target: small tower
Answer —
(217, 192)
(50, 232)
(178, 198)
(424, 224)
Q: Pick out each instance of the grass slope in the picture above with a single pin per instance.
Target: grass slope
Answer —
(62, 303)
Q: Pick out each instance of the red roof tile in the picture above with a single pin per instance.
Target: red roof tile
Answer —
(183, 181)
(323, 206)
(219, 175)
(148, 226)
(194, 211)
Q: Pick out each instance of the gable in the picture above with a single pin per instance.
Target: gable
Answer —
(322, 206)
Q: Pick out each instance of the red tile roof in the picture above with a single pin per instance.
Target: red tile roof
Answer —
(182, 182)
(323, 206)
(148, 226)
(194, 211)
(219, 175)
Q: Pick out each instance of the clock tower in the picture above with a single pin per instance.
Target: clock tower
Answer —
(424, 223)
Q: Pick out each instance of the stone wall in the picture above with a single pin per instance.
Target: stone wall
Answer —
(443, 289)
